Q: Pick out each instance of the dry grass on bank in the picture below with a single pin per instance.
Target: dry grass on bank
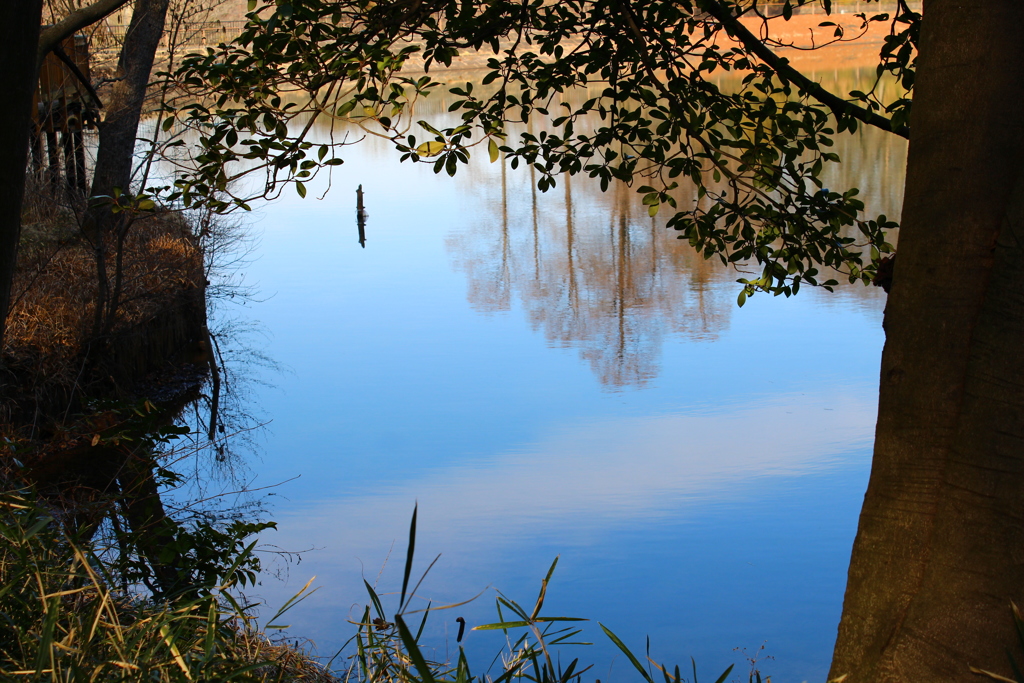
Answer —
(56, 285)
(52, 318)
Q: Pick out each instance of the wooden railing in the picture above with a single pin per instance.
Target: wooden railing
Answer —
(774, 7)
(197, 34)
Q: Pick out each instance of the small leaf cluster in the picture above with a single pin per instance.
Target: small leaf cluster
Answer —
(252, 103)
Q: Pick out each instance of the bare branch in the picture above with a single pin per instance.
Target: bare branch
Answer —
(70, 64)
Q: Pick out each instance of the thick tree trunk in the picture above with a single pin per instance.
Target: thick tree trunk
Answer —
(116, 151)
(939, 552)
(19, 34)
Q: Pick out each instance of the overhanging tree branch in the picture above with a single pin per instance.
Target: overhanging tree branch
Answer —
(70, 64)
(838, 105)
(69, 25)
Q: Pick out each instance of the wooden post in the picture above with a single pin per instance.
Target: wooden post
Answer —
(67, 143)
(36, 147)
(78, 144)
(53, 158)
(66, 103)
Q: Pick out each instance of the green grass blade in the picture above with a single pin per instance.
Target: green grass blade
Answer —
(630, 656)
(567, 674)
(361, 648)
(543, 589)
(725, 674)
(291, 602)
(563, 639)
(45, 651)
(462, 669)
(413, 650)
(538, 672)
(541, 620)
(374, 599)
(497, 606)
(503, 625)
(422, 577)
(423, 622)
(514, 670)
(514, 606)
(37, 527)
(408, 556)
(212, 619)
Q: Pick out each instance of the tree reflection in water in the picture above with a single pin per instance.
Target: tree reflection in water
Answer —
(592, 272)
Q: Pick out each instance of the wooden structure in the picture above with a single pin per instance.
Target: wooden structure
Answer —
(65, 105)
(109, 37)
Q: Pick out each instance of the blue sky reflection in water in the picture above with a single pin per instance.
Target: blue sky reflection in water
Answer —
(556, 374)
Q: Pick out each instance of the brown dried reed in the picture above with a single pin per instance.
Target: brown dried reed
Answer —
(52, 351)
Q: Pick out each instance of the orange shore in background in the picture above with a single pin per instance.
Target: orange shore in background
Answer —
(797, 36)
(803, 32)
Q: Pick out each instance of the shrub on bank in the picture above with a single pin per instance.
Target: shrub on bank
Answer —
(60, 620)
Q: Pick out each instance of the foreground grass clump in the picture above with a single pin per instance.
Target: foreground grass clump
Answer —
(61, 621)
(389, 651)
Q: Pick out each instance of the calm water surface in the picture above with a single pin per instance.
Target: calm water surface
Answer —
(556, 374)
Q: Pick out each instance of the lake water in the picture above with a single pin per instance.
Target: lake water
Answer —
(554, 374)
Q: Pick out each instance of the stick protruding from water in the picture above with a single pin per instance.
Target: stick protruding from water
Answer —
(361, 217)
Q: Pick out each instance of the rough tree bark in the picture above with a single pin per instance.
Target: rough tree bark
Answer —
(939, 552)
(117, 132)
(19, 35)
